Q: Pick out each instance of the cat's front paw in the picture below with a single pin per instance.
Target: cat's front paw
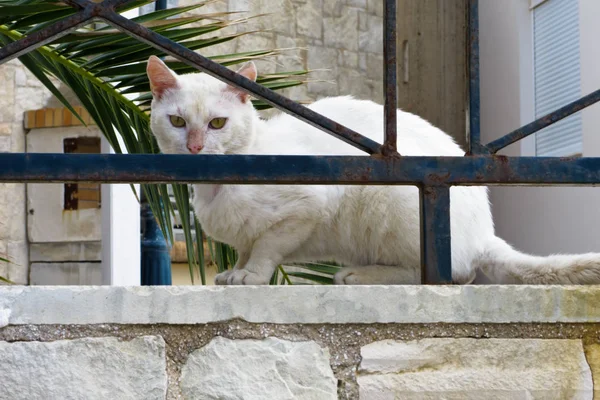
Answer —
(240, 277)
(221, 278)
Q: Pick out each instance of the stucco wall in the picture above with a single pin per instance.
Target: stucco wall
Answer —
(536, 220)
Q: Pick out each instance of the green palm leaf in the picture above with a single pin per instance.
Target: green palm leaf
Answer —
(102, 65)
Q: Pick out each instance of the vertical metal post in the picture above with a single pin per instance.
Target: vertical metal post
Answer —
(389, 76)
(436, 256)
(155, 258)
(474, 139)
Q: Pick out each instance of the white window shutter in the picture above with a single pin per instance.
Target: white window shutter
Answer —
(557, 74)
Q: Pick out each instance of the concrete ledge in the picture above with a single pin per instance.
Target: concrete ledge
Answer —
(307, 304)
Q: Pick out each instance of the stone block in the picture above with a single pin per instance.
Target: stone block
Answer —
(7, 93)
(12, 211)
(362, 61)
(66, 273)
(5, 144)
(348, 59)
(71, 251)
(475, 369)
(18, 268)
(376, 90)
(29, 98)
(342, 32)
(363, 24)
(371, 40)
(352, 82)
(375, 66)
(592, 353)
(333, 8)
(5, 129)
(90, 368)
(281, 17)
(3, 254)
(309, 21)
(258, 369)
(323, 80)
(357, 3)
(375, 7)
(294, 57)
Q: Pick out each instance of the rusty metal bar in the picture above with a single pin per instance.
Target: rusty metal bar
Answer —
(389, 76)
(474, 138)
(228, 76)
(46, 35)
(544, 121)
(263, 169)
(436, 253)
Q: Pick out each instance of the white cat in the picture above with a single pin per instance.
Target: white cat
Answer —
(372, 229)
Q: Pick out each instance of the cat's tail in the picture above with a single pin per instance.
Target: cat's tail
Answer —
(503, 264)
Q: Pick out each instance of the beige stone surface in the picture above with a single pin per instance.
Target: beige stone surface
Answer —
(66, 273)
(475, 369)
(19, 91)
(303, 304)
(592, 353)
(258, 369)
(71, 251)
(89, 368)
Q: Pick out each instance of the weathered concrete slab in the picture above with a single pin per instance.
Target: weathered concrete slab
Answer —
(306, 304)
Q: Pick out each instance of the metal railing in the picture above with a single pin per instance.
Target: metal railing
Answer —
(433, 175)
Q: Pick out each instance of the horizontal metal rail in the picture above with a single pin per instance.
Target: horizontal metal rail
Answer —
(266, 169)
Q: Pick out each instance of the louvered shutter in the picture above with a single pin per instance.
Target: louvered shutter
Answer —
(557, 74)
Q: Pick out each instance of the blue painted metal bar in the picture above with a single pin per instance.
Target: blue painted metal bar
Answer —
(389, 77)
(155, 268)
(253, 169)
(155, 258)
(45, 36)
(436, 253)
(544, 121)
(474, 138)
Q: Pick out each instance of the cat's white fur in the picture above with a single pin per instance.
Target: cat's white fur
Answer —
(372, 229)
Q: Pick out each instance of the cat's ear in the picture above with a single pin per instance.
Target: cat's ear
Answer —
(161, 77)
(248, 70)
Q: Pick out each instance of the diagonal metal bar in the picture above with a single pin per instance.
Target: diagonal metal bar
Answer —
(389, 77)
(317, 170)
(228, 76)
(436, 253)
(544, 121)
(46, 35)
(474, 139)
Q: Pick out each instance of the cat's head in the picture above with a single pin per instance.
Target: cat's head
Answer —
(196, 113)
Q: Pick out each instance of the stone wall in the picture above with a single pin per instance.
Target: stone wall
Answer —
(367, 342)
(340, 41)
(19, 91)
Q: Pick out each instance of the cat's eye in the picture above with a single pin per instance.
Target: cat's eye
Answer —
(217, 123)
(177, 121)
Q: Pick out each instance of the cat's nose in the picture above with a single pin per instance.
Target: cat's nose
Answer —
(194, 148)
